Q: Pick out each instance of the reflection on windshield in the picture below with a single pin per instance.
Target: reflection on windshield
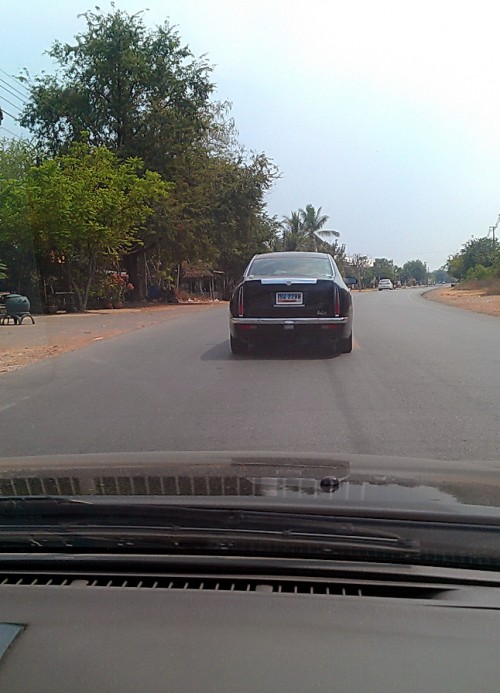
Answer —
(304, 482)
(301, 267)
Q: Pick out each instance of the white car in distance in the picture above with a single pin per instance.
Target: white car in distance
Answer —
(385, 284)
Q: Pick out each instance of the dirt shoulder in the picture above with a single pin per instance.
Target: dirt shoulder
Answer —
(480, 297)
(51, 335)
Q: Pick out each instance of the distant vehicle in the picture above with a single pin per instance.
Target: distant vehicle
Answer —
(385, 284)
(287, 295)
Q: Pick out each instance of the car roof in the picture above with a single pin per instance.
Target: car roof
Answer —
(292, 253)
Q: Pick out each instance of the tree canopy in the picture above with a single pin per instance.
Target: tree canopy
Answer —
(312, 221)
(83, 209)
(475, 253)
(414, 270)
(141, 93)
(16, 240)
(136, 91)
(383, 268)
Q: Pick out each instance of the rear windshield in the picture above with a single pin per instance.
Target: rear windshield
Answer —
(291, 266)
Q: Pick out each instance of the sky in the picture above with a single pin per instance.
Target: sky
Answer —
(383, 113)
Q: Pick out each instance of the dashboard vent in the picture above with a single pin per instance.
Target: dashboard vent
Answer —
(212, 583)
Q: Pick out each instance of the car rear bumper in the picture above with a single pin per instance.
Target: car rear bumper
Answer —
(289, 321)
(258, 329)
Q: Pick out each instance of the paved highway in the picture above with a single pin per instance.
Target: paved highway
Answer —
(423, 380)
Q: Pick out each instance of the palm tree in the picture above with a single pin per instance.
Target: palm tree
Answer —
(294, 235)
(312, 221)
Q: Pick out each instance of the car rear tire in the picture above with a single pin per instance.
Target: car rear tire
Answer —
(238, 346)
(347, 345)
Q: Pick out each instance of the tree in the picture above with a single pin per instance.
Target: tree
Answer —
(441, 275)
(312, 221)
(383, 268)
(414, 270)
(16, 240)
(294, 235)
(475, 252)
(86, 208)
(136, 92)
(142, 93)
(360, 265)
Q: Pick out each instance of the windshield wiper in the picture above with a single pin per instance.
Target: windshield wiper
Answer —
(145, 523)
(133, 523)
(215, 542)
(20, 505)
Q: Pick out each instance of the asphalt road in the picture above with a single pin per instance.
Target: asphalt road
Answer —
(423, 381)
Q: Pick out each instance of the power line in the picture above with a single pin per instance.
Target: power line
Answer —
(10, 132)
(17, 80)
(10, 115)
(43, 101)
(8, 90)
(12, 104)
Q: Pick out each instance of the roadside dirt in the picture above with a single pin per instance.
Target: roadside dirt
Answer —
(476, 297)
(51, 335)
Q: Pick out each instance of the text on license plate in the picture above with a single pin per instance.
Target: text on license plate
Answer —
(289, 298)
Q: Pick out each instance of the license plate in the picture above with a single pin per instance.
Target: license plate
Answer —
(289, 298)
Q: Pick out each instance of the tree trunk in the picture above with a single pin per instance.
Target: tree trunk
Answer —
(136, 269)
(78, 294)
(90, 279)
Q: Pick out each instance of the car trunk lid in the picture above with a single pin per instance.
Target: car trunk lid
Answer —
(289, 297)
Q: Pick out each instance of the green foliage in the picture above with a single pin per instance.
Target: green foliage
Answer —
(135, 91)
(480, 272)
(301, 231)
(359, 267)
(477, 252)
(312, 221)
(294, 235)
(16, 158)
(218, 210)
(16, 241)
(414, 271)
(86, 208)
(383, 268)
(141, 93)
(441, 275)
(110, 287)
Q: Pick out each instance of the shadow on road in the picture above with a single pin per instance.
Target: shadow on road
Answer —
(268, 352)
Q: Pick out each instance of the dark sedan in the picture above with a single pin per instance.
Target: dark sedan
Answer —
(290, 295)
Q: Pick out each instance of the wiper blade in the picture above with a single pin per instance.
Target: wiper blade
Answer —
(123, 511)
(156, 525)
(16, 505)
(62, 515)
(236, 542)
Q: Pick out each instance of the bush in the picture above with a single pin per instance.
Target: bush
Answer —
(478, 272)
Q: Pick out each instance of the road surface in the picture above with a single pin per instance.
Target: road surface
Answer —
(423, 381)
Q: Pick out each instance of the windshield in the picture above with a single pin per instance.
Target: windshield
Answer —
(301, 267)
(239, 229)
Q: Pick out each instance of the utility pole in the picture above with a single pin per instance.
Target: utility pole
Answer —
(492, 229)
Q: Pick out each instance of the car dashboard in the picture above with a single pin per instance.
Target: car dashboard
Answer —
(138, 623)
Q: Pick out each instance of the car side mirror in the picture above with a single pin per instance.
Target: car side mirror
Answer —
(350, 281)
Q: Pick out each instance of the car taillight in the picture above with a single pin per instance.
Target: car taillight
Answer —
(336, 300)
(240, 302)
